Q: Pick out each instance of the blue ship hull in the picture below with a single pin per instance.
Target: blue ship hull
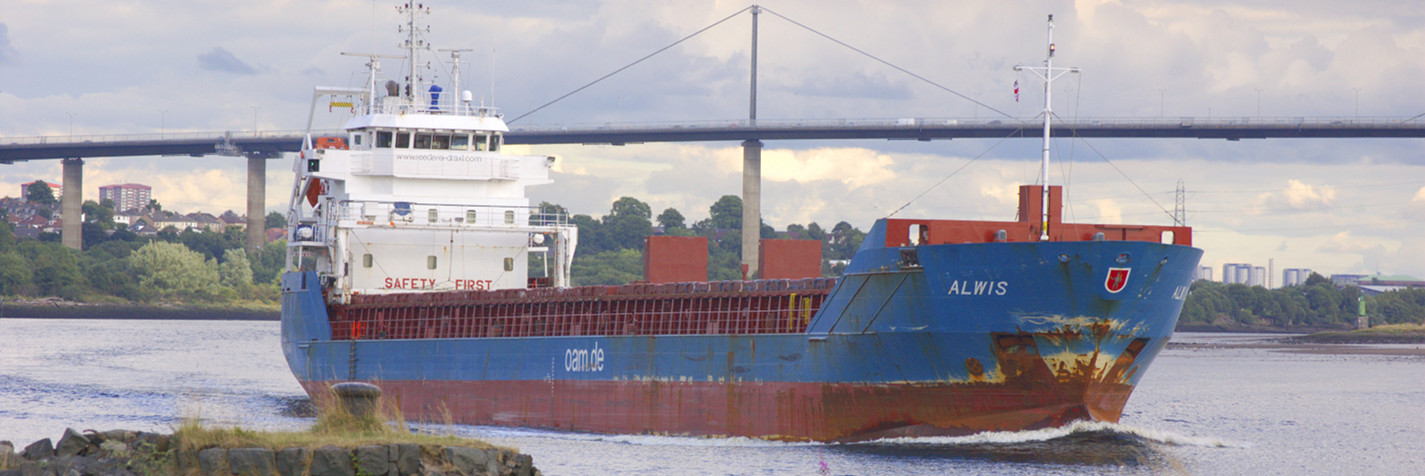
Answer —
(940, 339)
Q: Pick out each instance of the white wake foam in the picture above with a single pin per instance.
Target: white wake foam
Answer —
(1078, 427)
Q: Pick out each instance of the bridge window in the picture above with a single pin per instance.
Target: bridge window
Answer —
(423, 140)
(480, 140)
(440, 141)
(495, 143)
(460, 142)
(356, 139)
(403, 140)
(383, 138)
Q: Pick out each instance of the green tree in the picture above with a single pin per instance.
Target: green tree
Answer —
(56, 268)
(671, 219)
(101, 214)
(275, 220)
(607, 268)
(268, 262)
(172, 271)
(14, 274)
(726, 213)
(40, 192)
(235, 271)
(629, 206)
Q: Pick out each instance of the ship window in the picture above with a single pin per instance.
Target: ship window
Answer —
(366, 260)
(480, 141)
(434, 215)
(403, 140)
(509, 217)
(509, 264)
(430, 262)
(423, 140)
(460, 142)
(383, 138)
(495, 143)
(470, 216)
(356, 139)
(440, 141)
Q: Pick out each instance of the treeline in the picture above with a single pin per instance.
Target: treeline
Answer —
(1317, 304)
(610, 249)
(116, 265)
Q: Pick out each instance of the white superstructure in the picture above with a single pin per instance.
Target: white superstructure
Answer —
(419, 197)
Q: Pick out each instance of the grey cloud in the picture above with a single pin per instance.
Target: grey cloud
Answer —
(219, 59)
(7, 52)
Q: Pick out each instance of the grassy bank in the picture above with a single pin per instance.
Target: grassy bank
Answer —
(1388, 334)
(334, 427)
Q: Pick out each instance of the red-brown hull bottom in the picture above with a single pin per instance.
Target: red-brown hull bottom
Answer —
(772, 410)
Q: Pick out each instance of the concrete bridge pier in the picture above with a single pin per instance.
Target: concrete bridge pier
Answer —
(71, 203)
(751, 203)
(256, 204)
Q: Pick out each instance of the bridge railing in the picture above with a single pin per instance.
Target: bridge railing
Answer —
(973, 122)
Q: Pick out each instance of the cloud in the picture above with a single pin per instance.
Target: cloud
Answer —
(1298, 196)
(219, 59)
(1343, 242)
(7, 52)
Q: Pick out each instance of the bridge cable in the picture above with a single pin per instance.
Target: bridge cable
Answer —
(1120, 172)
(987, 150)
(887, 63)
(630, 65)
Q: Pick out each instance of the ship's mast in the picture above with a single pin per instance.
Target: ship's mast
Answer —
(1048, 73)
(412, 44)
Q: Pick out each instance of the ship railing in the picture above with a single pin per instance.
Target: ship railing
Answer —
(716, 308)
(401, 107)
(448, 215)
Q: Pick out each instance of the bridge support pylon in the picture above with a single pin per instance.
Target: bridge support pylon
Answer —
(71, 203)
(256, 203)
(751, 203)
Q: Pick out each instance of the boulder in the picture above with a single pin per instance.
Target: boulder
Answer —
(406, 459)
(213, 461)
(293, 461)
(331, 461)
(467, 460)
(373, 460)
(39, 450)
(524, 465)
(251, 461)
(71, 444)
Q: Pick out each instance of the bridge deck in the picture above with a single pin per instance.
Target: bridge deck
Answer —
(273, 143)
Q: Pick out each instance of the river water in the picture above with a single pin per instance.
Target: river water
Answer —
(1210, 404)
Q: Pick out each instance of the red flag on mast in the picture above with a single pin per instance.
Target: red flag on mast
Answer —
(1016, 90)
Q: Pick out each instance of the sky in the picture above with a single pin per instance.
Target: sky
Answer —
(1332, 205)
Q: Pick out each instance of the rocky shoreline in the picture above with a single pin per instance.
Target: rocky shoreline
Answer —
(121, 452)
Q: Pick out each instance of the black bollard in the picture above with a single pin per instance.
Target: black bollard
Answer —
(358, 398)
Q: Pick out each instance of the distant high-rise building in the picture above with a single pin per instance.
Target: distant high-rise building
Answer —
(54, 187)
(1295, 276)
(1204, 273)
(126, 197)
(1258, 276)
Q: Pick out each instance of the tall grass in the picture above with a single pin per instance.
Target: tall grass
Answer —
(335, 426)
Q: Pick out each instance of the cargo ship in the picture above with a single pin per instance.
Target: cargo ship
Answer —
(409, 267)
